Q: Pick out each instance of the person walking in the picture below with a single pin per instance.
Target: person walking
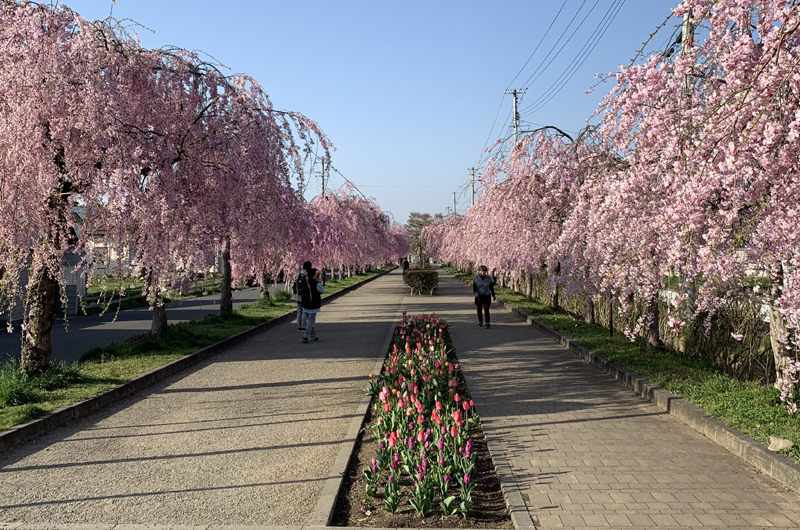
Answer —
(483, 289)
(405, 264)
(311, 291)
(297, 296)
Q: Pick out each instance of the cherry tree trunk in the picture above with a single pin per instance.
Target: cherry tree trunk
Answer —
(778, 332)
(588, 310)
(160, 324)
(652, 330)
(41, 301)
(529, 287)
(226, 296)
(265, 281)
(588, 303)
(158, 327)
(554, 298)
(611, 318)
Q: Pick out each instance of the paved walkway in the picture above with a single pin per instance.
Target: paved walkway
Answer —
(584, 450)
(88, 331)
(245, 438)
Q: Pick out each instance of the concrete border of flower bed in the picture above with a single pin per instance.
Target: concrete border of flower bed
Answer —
(125, 526)
(517, 509)
(775, 465)
(25, 432)
(323, 513)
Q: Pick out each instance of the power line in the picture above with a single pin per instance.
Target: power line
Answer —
(531, 79)
(540, 43)
(502, 99)
(400, 186)
(583, 54)
(499, 108)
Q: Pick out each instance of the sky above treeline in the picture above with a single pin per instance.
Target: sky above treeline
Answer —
(410, 93)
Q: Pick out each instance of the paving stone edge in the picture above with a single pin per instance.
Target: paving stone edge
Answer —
(101, 526)
(775, 465)
(517, 509)
(323, 514)
(28, 431)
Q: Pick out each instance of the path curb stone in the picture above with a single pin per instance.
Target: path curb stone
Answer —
(517, 509)
(16, 526)
(778, 467)
(323, 514)
(28, 431)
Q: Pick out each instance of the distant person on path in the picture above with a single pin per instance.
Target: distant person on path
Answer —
(483, 288)
(297, 296)
(312, 292)
(405, 264)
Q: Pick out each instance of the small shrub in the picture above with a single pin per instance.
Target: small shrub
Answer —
(94, 355)
(282, 296)
(15, 387)
(58, 375)
(19, 388)
(421, 280)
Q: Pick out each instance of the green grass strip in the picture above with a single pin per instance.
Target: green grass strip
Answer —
(747, 406)
(23, 399)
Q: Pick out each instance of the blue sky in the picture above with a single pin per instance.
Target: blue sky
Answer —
(407, 91)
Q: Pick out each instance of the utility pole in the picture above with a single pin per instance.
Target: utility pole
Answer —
(516, 114)
(455, 210)
(687, 37)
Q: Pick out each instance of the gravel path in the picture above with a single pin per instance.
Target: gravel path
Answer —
(246, 438)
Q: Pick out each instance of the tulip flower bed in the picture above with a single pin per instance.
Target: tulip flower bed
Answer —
(421, 459)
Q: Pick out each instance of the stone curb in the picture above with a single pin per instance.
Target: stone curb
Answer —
(100, 526)
(17, 526)
(517, 509)
(26, 432)
(323, 514)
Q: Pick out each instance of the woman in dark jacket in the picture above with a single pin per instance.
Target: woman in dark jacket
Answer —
(483, 288)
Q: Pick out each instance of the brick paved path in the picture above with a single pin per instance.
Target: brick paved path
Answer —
(585, 451)
(245, 438)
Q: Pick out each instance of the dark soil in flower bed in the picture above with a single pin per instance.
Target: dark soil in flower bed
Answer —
(488, 504)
